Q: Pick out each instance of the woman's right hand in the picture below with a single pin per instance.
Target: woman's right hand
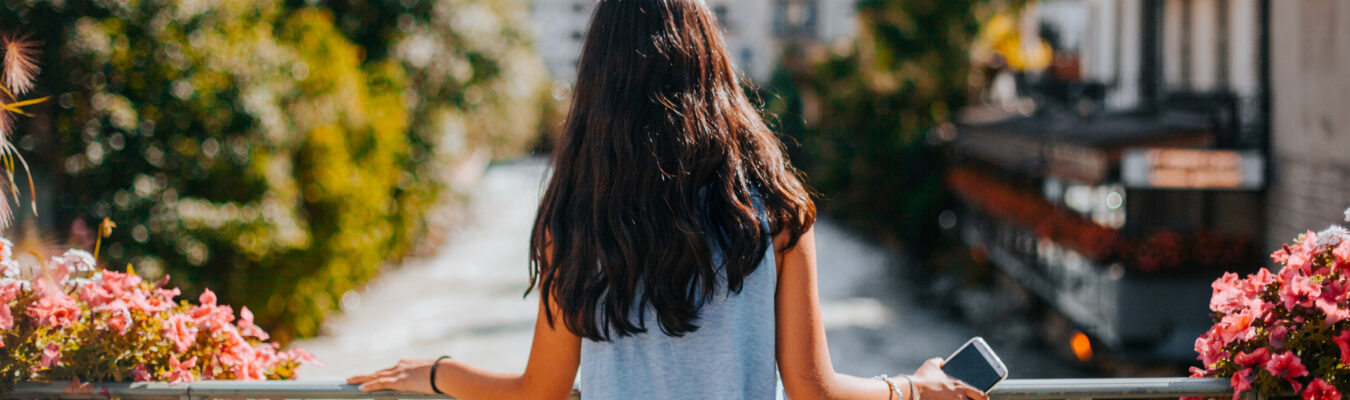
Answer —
(933, 384)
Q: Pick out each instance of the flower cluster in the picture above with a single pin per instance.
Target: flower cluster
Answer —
(1285, 331)
(67, 319)
(1156, 251)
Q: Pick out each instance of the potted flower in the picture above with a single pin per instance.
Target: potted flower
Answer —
(66, 319)
(1287, 331)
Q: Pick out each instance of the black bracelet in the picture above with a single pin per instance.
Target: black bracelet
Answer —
(433, 374)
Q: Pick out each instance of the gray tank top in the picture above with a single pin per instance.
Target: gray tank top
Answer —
(730, 356)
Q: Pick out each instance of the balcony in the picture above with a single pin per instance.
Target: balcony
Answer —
(1014, 389)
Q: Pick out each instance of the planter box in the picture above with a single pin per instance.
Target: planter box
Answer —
(1146, 316)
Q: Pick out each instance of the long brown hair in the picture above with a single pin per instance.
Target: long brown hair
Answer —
(661, 153)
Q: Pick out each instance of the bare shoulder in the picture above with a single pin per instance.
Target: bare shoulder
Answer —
(805, 246)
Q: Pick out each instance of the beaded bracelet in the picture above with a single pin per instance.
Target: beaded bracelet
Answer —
(433, 374)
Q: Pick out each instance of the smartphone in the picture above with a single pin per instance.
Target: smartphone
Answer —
(976, 365)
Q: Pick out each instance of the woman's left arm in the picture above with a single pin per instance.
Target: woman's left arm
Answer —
(550, 373)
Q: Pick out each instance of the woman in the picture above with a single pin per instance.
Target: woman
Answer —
(673, 250)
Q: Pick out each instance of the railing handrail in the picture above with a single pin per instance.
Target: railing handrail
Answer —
(1012, 389)
(1113, 388)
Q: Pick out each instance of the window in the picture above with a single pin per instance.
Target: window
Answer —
(794, 17)
(721, 11)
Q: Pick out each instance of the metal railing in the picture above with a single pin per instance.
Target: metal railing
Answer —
(1013, 389)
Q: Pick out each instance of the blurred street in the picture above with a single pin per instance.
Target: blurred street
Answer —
(466, 301)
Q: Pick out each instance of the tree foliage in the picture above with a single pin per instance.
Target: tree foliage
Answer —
(256, 147)
(871, 111)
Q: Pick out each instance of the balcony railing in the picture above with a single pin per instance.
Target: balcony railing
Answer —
(1014, 389)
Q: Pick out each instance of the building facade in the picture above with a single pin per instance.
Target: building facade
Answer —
(1310, 108)
(1134, 170)
(756, 31)
(559, 31)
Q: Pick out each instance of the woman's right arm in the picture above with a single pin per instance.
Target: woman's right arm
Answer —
(803, 354)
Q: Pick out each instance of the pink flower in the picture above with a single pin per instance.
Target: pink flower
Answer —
(207, 299)
(209, 315)
(158, 301)
(1343, 341)
(241, 358)
(1256, 283)
(8, 292)
(179, 330)
(228, 335)
(180, 372)
(299, 355)
(250, 370)
(1289, 366)
(1299, 291)
(1301, 255)
(1277, 336)
(53, 307)
(212, 317)
(1280, 256)
(1227, 295)
(119, 282)
(1256, 357)
(119, 317)
(246, 326)
(1197, 372)
(168, 294)
(1342, 254)
(1307, 243)
(5, 316)
(1334, 312)
(1321, 390)
(1241, 382)
(1261, 310)
(1209, 348)
(120, 322)
(95, 294)
(265, 355)
(1235, 327)
(140, 374)
(51, 355)
(1301, 262)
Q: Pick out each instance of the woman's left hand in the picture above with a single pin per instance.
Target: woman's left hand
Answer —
(406, 376)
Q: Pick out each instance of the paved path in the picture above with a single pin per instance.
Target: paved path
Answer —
(467, 301)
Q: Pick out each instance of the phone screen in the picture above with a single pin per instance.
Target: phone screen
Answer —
(971, 367)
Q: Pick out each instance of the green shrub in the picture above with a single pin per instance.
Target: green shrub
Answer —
(478, 90)
(250, 146)
(472, 69)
